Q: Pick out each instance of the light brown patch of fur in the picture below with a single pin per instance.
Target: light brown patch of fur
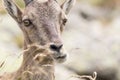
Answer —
(38, 65)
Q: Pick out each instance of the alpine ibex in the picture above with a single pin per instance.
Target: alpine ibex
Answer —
(38, 65)
(42, 22)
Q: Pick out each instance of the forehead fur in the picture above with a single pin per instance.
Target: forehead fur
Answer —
(43, 8)
(41, 1)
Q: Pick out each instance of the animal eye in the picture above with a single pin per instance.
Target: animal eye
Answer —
(64, 21)
(27, 22)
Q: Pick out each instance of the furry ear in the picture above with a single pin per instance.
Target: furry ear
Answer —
(13, 10)
(27, 2)
(67, 5)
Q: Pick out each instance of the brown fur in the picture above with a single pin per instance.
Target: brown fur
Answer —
(42, 23)
(38, 65)
(46, 20)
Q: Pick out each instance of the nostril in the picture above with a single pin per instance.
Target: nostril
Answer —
(55, 47)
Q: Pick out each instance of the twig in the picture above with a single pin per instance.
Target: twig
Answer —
(1, 64)
(86, 76)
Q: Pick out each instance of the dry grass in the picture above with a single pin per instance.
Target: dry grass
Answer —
(86, 77)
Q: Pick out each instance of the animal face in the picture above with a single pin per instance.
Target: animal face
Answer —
(42, 22)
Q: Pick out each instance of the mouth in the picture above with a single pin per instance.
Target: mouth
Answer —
(61, 58)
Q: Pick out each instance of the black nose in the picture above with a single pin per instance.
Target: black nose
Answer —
(56, 47)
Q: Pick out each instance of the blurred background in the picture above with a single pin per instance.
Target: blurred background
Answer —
(91, 36)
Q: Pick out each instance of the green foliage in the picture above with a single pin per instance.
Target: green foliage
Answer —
(20, 3)
(97, 2)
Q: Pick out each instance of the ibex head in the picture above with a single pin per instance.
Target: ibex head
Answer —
(42, 22)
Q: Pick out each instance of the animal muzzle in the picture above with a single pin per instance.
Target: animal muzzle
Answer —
(60, 54)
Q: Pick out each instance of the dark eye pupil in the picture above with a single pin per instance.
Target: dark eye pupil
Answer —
(27, 22)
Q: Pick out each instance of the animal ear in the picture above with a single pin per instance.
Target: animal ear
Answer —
(67, 5)
(27, 2)
(13, 10)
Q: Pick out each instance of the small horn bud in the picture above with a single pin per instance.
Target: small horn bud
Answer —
(27, 2)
